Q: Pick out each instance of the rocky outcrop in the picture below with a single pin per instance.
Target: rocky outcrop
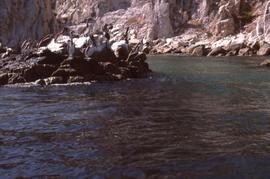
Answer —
(187, 23)
(67, 60)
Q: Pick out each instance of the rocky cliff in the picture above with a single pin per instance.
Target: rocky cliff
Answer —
(192, 20)
(24, 19)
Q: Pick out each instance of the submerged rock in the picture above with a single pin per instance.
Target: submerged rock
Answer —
(265, 63)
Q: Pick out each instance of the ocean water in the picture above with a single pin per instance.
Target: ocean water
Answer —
(191, 118)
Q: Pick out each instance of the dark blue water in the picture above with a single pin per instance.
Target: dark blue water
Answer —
(193, 118)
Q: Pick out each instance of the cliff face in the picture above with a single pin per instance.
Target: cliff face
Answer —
(23, 19)
(151, 19)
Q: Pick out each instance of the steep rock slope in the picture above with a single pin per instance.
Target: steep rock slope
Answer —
(150, 19)
(23, 19)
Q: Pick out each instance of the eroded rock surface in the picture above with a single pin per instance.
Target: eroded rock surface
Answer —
(64, 61)
(177, 25)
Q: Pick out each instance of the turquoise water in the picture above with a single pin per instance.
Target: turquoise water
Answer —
(192, 118)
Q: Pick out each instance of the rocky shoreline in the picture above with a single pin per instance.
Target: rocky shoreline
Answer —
(237, 45)
(64, 59)
(49, 61)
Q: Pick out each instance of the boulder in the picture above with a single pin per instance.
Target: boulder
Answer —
(216, 51)
(244, 52)
(198, 51)
(265, 63)
(264, 50)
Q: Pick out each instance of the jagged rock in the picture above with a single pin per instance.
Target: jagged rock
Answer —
(40, 82)
(216, 51)
(110, 68)
(225, 27)
(198, 51)
(58, 62)
(264, 50)
(15, 78)
(48, 57)
(244, 52)
(3, 79)
(234, 47)
(141, 57)
(255, 45)
(224, 23)
(231, 53)
(64, 72)
(38, 71)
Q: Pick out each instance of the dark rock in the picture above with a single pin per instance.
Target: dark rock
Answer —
(15, 78)
(45, 40)
(48, 57)
(110, 68)
(264, 50)
(3, 79)
(118, 76)
(2, 50)
(76, 79)
(85, 67)
(146, 50)
(38, 72)
(102, 53)
(65, 72)
(42, 66)
(141, 57)
(138, 70)
(124, 72)
(40, 82)
(255, 45)
(95, 77)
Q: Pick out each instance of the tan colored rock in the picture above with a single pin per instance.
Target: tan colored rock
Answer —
(264, 50)
(198, 51)
(243, 52)
(265, 63)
